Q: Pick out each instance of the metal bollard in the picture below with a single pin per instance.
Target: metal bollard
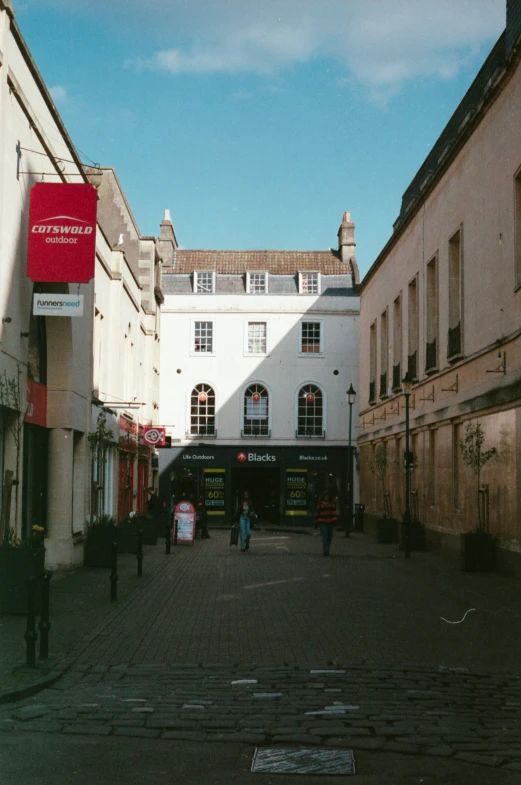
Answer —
(30, 634)
(44, 625)
(168, 536)
(114, 572)
(139, 553)
(175, 531)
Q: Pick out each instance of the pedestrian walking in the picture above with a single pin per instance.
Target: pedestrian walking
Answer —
(245, 513)
(325, 518)
(201, 521)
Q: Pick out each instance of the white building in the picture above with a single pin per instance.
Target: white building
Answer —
(258, 349)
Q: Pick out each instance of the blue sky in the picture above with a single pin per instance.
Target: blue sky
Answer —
(259, 123)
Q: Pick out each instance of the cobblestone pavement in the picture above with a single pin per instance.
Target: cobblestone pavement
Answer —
(448, 713)
(279, 645)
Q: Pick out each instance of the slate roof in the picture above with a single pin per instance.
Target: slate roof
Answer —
(275, 262)
(330, 285)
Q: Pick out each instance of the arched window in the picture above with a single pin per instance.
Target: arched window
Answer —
(202, 411)
(256, 411)
(310, 411)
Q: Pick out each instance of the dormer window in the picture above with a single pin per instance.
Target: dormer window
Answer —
(204, 281)
(257, 283)
(309, 283)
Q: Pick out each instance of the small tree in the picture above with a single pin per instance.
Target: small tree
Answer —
(475, 457)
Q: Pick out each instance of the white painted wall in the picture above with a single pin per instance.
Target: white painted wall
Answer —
(283, 370)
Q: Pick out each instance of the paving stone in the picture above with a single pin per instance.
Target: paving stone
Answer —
(337, 731)
(88, 730)
(165, 722)
(364, 743)
(8, 725)
(42, 726)
(395, 746)
(29, 713)
(296, 738)
(184, 735)
(142, 733)
(442, 750)
(472, 757)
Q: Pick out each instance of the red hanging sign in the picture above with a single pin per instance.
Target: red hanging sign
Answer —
(62, 232)
(256, 397)
(154, 436)
(310, 398)
(202, 397)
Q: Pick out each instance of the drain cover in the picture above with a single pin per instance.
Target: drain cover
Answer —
(303, 761)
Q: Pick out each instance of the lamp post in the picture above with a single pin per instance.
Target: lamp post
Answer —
(406, 389)
(351, 397)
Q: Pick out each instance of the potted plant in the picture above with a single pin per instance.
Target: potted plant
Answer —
(127, 533)
(20, 559)
(478, 547)
(387, 525)
(102, 532)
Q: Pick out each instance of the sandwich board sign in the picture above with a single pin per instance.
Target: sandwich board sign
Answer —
(183, 530)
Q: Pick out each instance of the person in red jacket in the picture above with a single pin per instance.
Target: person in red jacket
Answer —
(325, 518)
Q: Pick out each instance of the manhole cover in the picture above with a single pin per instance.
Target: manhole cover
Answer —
(303, 761)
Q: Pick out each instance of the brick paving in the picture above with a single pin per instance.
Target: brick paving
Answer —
(280, 645)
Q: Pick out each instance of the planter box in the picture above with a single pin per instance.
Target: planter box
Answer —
(478, 552)
(98, 546)
(416, 536)
(149, 527)
(387, 530)
(127, 537)
(16, 566)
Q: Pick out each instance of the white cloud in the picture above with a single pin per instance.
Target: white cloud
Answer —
(381, 44)
(58, 93)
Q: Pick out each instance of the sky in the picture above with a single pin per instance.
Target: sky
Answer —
(258, 123)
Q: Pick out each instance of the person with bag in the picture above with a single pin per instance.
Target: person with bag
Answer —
(243, 516)
(325, 518)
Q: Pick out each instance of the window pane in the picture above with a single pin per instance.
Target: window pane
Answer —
(203, 337)
(257, 337)
(311, 338)
(310, 411)
(256, 402)
(204, 282)
(309, 283)
(257, 283)
(202, 411)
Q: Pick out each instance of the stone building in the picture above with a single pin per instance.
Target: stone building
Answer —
(127, 301)
(57, 373)
(258, 349)
(442, 301)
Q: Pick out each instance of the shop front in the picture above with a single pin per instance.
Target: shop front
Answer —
(284, 482)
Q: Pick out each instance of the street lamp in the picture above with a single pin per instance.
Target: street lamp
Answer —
(406, 389)
(351, 397)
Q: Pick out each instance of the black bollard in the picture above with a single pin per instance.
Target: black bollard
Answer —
(168, 536)
(30, 634)
(139, 553)
(175, 531)
(44, 624)
(114, 572)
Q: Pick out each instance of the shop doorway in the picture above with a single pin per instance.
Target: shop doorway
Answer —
(263, 485)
